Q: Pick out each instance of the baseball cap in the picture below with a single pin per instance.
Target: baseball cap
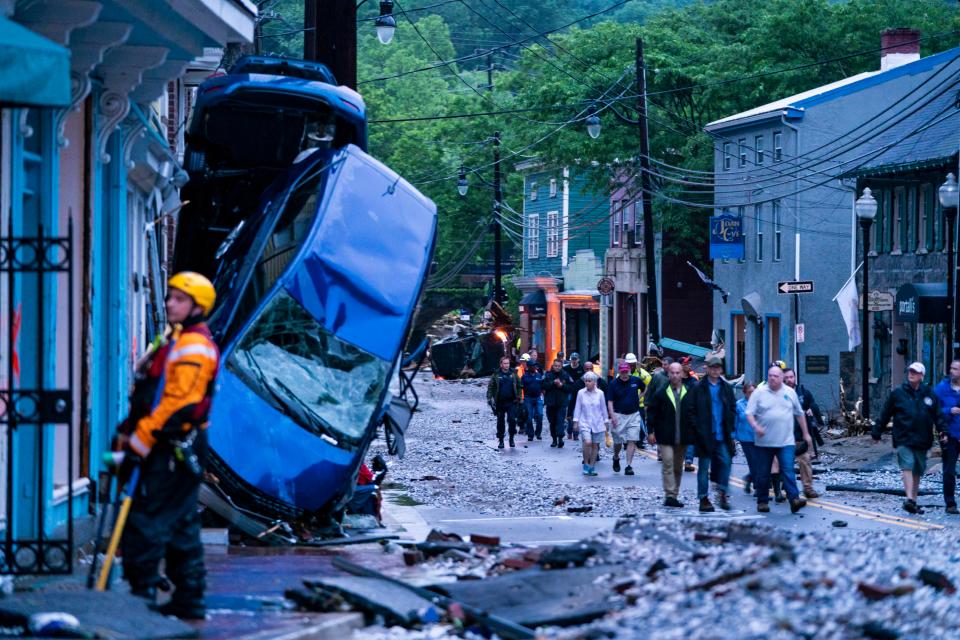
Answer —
(631, 358)
(574, 356)
(623, 367)
(918, 368)
(714, 361)
(525, 357)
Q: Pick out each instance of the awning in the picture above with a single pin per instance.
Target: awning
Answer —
(534, 302)
(925, 303)
(34, 72)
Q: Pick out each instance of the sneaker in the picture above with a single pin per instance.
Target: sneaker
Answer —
(796, 504)
(629, 472)
(705, 506)
(723, 499)
(811, 494)
(951, 508)
(763, 507)
(500, 444)
(616, 465)
(689, 466)
(673, 502)
(910, 506)
(586, 469)
(593, 471)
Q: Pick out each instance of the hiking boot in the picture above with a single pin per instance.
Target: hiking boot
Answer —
(763, 507)
(629, 472)
(554, 443)
(500, 444)
(723, 499)
(539, 437)
(705, 506)
(951, 509)
(811, 494)
(688, 466)
(560, 443)
(910, 506)
(616, 465)
(673, 502)
(796, 504)
(512, 443)
(184, 611)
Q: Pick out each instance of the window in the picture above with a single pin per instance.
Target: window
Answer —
(879, 223)
(929, 224)
(637, 224)
(726, 156)
(533, 235)
(913, 222)
(742, 213)
(777, 146)
(758, 150)
(900, 228)
(617, 222)
(553, 187)
(777, 233)
(533, 190)
(553, 234)
(939, 224)
(294, 364)
(742, 151)
(758, 220)
(889, 227)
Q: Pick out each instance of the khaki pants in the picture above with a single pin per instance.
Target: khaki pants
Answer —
(672, 469)
(806, 471)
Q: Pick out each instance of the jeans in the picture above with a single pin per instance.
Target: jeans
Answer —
(506, 412)
(764, 460)
(750, 453)
(535, 412)
(720, 461)
(688, 456)
(950, 454)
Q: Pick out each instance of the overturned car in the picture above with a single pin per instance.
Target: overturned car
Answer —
(322, 257)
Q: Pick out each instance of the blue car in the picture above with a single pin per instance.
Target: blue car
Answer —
(318, 284)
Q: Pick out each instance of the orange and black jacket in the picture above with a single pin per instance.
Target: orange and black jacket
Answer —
(185, 370)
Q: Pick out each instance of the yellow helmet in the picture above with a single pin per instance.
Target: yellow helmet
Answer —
(197, 287)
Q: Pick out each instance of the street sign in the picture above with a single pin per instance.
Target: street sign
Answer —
(795, 286)
(801, 332)
(605, 286)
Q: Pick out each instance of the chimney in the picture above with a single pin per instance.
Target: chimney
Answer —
(899, 46)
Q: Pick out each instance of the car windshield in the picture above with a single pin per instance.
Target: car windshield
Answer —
(299, 367)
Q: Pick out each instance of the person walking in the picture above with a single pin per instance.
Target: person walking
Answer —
(164, 521)
(575, 370)
(745, 436)
(771, 411)
(714, 415)
(590, 418)
(670, 416)
(503, 396)
(916, 414)
(948, 392)
(557, 385)
(623, 405)
(803, 454)
(532, 385)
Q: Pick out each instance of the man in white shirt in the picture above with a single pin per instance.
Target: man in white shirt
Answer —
(771, 412)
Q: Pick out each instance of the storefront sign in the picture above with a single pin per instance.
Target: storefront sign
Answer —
(817, 364)
(925, 303)
(879, 301)
(726, 237)
(605, 286)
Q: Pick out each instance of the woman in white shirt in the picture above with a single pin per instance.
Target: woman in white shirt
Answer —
(590, 421)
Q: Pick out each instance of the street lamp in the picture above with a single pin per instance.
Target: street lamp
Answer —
(386, 24)
(866, 208)
(462, 184)
(593, 123)
(948, 202)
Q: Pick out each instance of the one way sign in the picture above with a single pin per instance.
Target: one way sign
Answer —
(795, 286)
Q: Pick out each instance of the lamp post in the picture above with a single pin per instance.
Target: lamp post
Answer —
(463, 186)
(948, 202)
(866, 208)
(386, 24)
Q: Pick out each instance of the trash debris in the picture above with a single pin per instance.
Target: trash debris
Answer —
(839, 523)
(937, 580)
(490, 541)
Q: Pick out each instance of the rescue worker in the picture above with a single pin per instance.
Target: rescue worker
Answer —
(170, 443)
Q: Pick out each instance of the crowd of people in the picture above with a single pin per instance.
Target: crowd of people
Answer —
(695, 423)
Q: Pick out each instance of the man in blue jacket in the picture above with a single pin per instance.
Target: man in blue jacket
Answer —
(532, 384)
(948, 391)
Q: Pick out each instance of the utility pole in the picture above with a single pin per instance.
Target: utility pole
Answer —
(330, 37)
(497, 199)
(653, 311)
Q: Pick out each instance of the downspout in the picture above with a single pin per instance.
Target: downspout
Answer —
(796, 241)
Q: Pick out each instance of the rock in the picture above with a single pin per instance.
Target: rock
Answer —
(436, 535)
(877, 631)
(656, 568)
(517, 563)
(412, 557)
(583, 509)
(877, 592)
(937, 580)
